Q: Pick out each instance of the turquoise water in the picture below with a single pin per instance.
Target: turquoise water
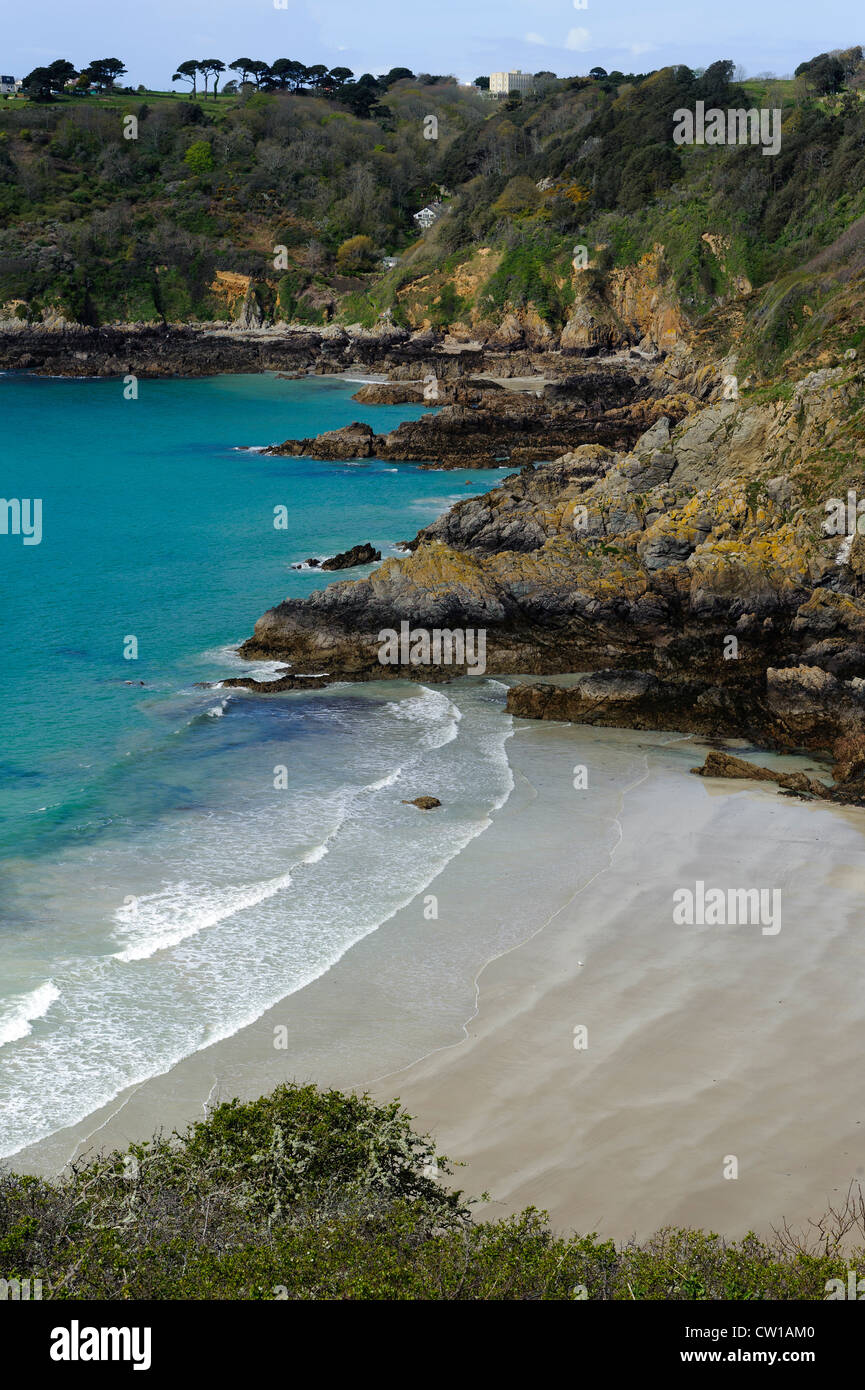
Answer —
(162, 881)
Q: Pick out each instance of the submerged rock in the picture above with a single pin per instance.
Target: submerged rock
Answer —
(425, 803)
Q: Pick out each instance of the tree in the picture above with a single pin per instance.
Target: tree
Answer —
(355, 255)
(849, 58)
(260, 73)
(42, 83)
(212, 67)
(826, 73)
(104, 72)
(298, 75)
(337, 78)
(244, 66)
(483, 83)
(360, 98)
(62, 71)
(397, 75)
(597, 72)
(188, 72)
(281, 72)
(714, 85)
(38, 85)
(317, 75)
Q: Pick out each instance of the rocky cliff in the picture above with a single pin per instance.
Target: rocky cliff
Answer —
(690, 573)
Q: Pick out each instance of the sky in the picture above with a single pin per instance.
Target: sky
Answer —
(463, 37)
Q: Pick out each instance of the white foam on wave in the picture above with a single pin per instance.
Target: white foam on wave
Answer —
(163, 919)
(439, 715)
(309, 569)
(17, 1014)
(182, 910)
(383, 782)
(426, 504)
(228, 656)
(217, 711)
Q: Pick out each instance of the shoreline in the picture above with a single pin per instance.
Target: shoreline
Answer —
(470, 1017)
(199, 349)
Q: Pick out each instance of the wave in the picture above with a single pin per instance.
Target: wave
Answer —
(431, 708)
(17, 1014)
(157, 921)
(383, 782)
(182, 910)
(229, 656)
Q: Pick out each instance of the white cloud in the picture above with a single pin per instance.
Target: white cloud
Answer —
(536, 38)
(578, 39)
(640, 47)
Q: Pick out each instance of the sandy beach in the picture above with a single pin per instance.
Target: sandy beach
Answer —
(702, 1043)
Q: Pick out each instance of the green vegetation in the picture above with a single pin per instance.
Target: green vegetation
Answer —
(307, 1194)
(206, 185)
(104, 227)
(532, 272)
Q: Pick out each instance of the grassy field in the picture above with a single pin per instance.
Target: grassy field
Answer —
(126, 101)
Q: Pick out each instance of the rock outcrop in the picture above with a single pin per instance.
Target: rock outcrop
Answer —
(347, 559)
(485, 426)
(689, 578)
(848, 789)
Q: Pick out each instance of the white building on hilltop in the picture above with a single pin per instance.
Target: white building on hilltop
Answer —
(501, 83)
(8, 86)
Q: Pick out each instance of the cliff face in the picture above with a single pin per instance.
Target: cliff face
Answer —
(694, 565)
(635, 304)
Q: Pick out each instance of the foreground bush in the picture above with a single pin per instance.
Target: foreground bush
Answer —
(306, 1194)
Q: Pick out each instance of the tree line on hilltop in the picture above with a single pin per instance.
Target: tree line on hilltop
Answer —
(360, 94)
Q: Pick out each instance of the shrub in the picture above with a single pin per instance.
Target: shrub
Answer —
(310, 1194)
(356, 254)
(199, 157)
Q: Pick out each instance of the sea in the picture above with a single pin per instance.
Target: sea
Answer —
(176, 857)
